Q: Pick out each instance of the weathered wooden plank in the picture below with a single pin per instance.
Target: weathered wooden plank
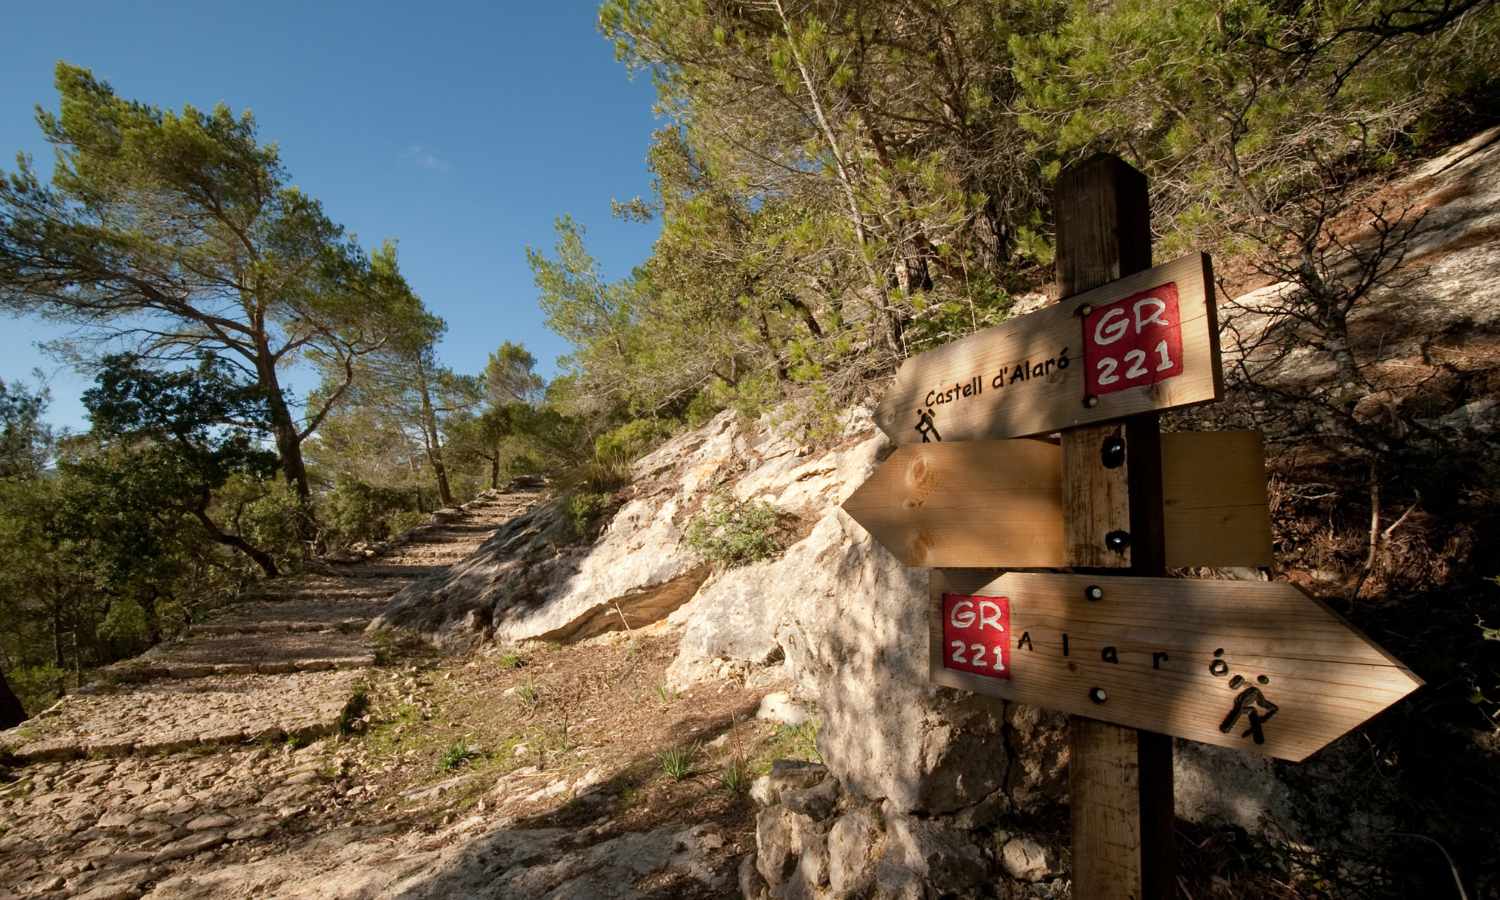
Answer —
(1001, 503)
(1214, 498)
(1172, 655)
(1095, 496)
(1030, 375)
(984, 503)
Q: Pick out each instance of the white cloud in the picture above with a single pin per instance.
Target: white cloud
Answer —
(424, 157)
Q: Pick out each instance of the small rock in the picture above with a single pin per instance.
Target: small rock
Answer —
(817, 802)
(1025, 859)
(210, 821)
(194, 843)
(778, 706)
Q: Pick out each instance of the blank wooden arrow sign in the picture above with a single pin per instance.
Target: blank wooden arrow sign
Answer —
(1256, 666)
(1146, 342)
(999, 503)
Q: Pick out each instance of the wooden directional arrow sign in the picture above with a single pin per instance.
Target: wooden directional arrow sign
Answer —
(1257, 666)
(1000, 503)
(1146, 342)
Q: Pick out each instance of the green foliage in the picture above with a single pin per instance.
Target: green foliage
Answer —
(510, 660)
(529, 693)
(24, 438)
(125, 627)
(797, 742)
(180, 234)
(677, 762)
(736, 776)
(37, 686)
(456, 756)
(585, 511)
(631, 440)
(357, 511)
(730, 532)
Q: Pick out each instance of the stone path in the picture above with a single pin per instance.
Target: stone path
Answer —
(190, 747)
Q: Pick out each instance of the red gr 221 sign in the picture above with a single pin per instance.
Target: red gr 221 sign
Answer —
(976, 634)
(1134, 341)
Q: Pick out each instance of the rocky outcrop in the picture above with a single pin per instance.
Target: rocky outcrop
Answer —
(815, 839)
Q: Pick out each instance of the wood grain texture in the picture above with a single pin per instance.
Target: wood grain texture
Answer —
(1214, 499)
(975, 503)
(1096, 498)
(1117, 778)
(1324, 676)
(1123, 842)
(1000, 503)
(1054, 401)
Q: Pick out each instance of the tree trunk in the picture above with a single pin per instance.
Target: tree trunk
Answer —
(495, 472)
(288, 439)
(153, 618)
(430, 437)
(11, 711)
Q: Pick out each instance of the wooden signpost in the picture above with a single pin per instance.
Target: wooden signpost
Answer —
(1252, 665)
(1144, 343)
(1000, 503)
(1134, 657)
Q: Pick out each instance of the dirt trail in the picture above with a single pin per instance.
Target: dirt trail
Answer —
(232, 763)
(118, 782)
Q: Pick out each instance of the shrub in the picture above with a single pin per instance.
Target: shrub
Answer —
(125, 628)
(731, 532)
(358, 511)
(586, 511)
(267, 511)
(631, 440)
(404, 520)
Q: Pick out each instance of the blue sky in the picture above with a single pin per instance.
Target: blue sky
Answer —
(463, 130)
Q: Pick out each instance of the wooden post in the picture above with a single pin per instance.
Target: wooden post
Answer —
(1120, 779)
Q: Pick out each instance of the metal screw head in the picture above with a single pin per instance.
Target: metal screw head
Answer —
(1083, 311)
(1117, 541)
(1090, 401)
(1093, 592)
(1097, 695)
(1112, 453)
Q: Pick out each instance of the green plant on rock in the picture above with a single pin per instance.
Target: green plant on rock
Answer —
(729, 532)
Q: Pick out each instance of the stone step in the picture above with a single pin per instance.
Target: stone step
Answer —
(293, 615)
(246, 653)
(182, 714)
(370, 570)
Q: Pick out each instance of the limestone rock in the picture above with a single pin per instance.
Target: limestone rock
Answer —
(779, 707)
(1026, 859)
(946, 860)
(855, 845)
(791, 852)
